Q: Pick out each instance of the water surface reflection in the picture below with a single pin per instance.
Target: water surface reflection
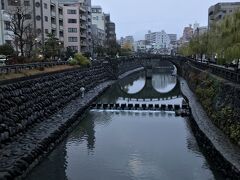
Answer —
(164, 82)
(133, 145)
(127, 146)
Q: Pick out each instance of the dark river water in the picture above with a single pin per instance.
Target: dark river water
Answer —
(130, 145)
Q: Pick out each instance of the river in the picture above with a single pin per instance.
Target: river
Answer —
(130, 145)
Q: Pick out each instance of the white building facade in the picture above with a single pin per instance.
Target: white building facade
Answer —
(45, 16)
(6, 35)
(159, 40)
(98, 17)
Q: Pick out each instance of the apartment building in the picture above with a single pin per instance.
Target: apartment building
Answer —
(77, 25)
(159, 40)
(218, 11)
(200, 31)
(72, 26)
(110, 29)
(98, 17)
(99, 36)
(140, 46)
(173, 38)
(46, 16)
(187, 34)
(128, 40)
(6, 35)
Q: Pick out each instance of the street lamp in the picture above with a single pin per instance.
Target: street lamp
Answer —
(59, 50)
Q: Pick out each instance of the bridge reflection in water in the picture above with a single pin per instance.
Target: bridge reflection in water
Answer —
(162, 87)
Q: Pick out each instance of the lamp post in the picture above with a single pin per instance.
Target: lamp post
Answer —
(59, 50)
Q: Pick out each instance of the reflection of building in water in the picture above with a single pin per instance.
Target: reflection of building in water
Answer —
(86, 132)
(164, 82)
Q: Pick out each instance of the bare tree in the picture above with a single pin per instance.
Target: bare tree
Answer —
(21, 24)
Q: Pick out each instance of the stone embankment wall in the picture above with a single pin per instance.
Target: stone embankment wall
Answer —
(25, 103)
(219, 98)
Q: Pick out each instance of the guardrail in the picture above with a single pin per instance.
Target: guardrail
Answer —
(217, 70)
(21, 67)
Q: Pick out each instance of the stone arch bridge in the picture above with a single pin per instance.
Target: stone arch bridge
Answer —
(119, 66)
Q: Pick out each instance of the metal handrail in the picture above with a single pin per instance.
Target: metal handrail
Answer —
(20, 67)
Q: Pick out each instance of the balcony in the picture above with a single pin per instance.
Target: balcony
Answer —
(84, 27)
(60, 16)
(83, 44)
(82, 9)
(83, 35)
(83, 18)
(54, 26)
(53, 13)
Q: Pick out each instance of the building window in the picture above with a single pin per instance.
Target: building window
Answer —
(60, 11)
(45, 5)
(72, 30)
(26, 3)
(38, 4)
(46, 18)
(53, 20)
(7, 25)
(46, 31)
(74, 48)
(72, 39)
(39, 31)
(54, 32)
(38, 18)
(28, 16)
(72, 21)
(60, 22)
(61, 34)
(71, 11)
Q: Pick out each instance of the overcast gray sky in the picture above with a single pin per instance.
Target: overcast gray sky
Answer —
(136, 17)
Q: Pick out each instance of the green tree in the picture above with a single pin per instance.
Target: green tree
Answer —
(69, 52)
(6, 49)
(113, 48)
(81, 60)
(52, 46)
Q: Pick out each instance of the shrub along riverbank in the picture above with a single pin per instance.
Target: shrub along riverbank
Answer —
(220, 99)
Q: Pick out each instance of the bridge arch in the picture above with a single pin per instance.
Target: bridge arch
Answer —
(148, 91)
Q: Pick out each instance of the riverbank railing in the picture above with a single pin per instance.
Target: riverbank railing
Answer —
(221, 71)
(21, 67)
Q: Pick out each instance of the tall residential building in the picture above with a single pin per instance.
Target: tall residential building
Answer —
(98, 17)
(110, 29)
(98, 36)
(128, 40)
(6, 35)
(160, 40)
(195, 26)
(46, 16)
(218, 11)
(72, 27)
(200, 31)
(77, 25)
(187, 34)
(140, 46)
(173, 38)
